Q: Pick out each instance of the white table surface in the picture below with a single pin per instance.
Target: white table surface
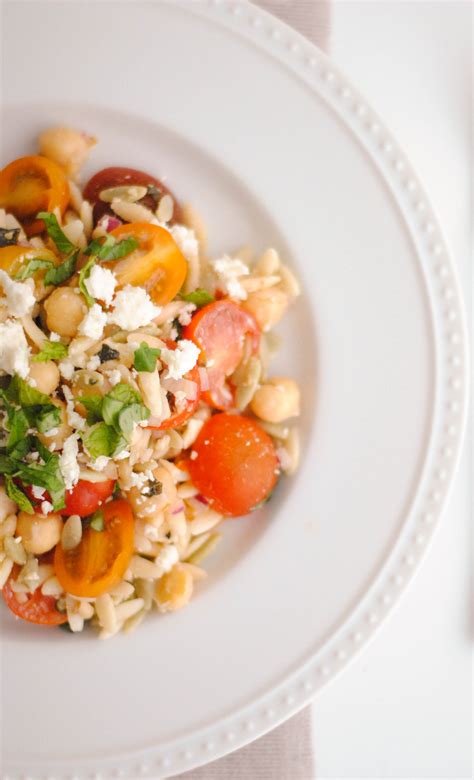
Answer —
(403, 709)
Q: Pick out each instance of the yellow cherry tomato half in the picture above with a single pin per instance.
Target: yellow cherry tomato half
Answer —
(157, 264)
(100, 560)
(32, 184)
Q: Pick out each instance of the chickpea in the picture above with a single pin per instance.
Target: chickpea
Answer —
(69, 148)
(65, 310)
(62, 431)
(174, 590)
(46, 376)
(276, 400)
(267, 306)
(39, 533)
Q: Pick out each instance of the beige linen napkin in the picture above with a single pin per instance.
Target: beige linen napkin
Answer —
(286, 752)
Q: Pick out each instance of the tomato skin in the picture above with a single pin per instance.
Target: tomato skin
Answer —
(32, 184)
(179, 418)
(157, 264)
(37, 609)
(83, 499)
(117, 177)
(236, 467)
(219, 330)
(100, 560)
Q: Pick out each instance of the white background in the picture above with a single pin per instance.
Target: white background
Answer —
(404, 707)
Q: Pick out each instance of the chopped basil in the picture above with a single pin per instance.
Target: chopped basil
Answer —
(129, 416)
(18, 425)
(97, 520)
(33, 265)
(9, 236)
(84, 274)
(22, 448)
(51, 350)
(55, 233)
(17, 495)
(48, 419)
(124, 393)
(59, 274)
(48, 476)
(199, 297)
(107, 353)
(110, 249)
(145, 357)
(102, 439)
(7, 465)
(20, 392)
(111, 408)
(93, 404)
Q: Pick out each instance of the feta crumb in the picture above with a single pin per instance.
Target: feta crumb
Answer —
(46, 507)
(167, 557)
(93, 363)
(186, 240)
(52, 432)
(193, 455)
(101, 284)
(228, 269)
(14, 349)
(38, 492)
(99, 463)
(114, 376)
(93, 323)
(74, 419)
(19, 296)
(54, 336)
(180, 360)
(68, 464)
(66, 369)
(122, 455)
(137, 480)
(185, 316)
(133, 308)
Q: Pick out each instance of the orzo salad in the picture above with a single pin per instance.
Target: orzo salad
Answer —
(137, 407)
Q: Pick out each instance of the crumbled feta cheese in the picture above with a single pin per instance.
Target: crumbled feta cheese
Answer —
(193, 455)
(74, 419)
(114, 376)
(93, 363)
(38, 492)
(185, 316)
(14, 349)
(52, 432)
(66, 369)
(180, 360)
(54, 336)
(167, 557)
(101, 284)
(68, 464)
(19, 296)
(122, 455)
(151, 532)
(228, 269)
(186, 240)
(99, 463)
(133, 308)
(93, 323)
(137, 480)
(46, 507)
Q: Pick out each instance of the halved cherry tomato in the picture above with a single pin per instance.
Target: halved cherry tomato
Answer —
(118, 177)
(219, 330)
(236, 467)
(13, 258)
(83, 499)
(179, 417)
(32, 184)
(157, 264)
(101, 558)
(37, 608)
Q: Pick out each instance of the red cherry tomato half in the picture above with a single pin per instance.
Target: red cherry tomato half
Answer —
(236, 466)
(84, 498)
(37, 608)
(220, 330)
(179, 417)
(118, 177)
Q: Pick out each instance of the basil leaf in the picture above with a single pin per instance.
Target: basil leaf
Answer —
(102, 439)
(199, 297)
(30, 268)
(111, 408)
(22, 448)
(59, 274)
(97, 244)
(22, 393)
(84, 274)
(7, 465)
(125, 393)
(107, 353)
(97, 521)
(17, 495)
(93, 404)
(55, 233)
(18, 424)
(49, 418)
(9, 236)
(111, 249)
(145, 357)
(129, 416)
(47, 476)
(51, 350)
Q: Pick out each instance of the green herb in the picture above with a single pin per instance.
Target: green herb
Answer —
(102, 439)
(9, 236)
(48, 476)
(7, 465)
(110, 249)
(111, 408)
(17, 495)
(22, 448)
(20, 392)
(18, 425)
(84, 274)
(93, 404)
(107, 353)
(125, 393)
(49, 418)
(58, 274)
(199, 297)
(117, 492)
(145, 357)
(51, 350)
(97, 521)
(55, 233)
(30, 268)
(129, 416)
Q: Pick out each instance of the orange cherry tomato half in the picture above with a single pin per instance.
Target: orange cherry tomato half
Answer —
(157, 264)
(32, 184)
(236, 467)
(100, 560)
(179, 417)
(220, 330)
(37, 608)
(13, 258)
(119, 177)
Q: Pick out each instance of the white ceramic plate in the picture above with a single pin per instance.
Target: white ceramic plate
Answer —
(274, 146)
